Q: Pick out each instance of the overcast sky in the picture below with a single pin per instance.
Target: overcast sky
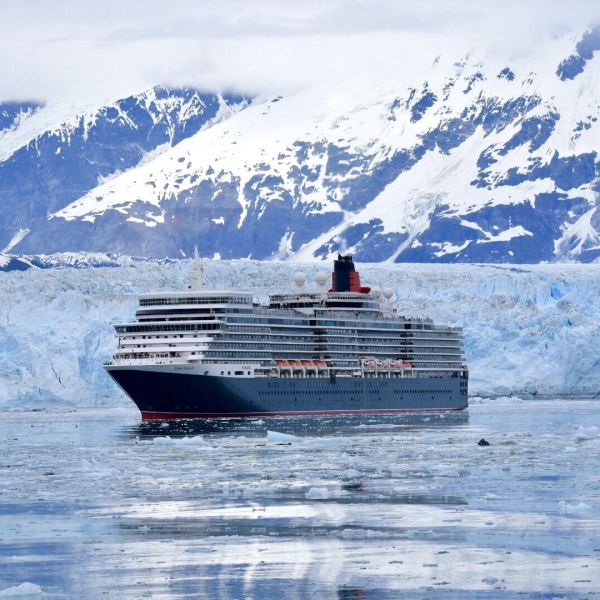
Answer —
(57, 49)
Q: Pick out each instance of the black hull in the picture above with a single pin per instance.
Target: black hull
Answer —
(163, 394)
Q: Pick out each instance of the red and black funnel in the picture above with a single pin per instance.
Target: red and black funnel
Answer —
(345, 278)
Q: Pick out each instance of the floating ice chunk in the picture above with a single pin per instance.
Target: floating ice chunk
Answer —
(586, 433)
(275, 437)
(477, 400)
(21, 591)
(360, 534)
(573, 507)
(350, 473)
(491, 497)
(315, 442)
(196, 440)
(317, 493)
(164, 441)
(184, 441)
(507, 400)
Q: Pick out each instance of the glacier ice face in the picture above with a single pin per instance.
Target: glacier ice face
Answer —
(530, 329)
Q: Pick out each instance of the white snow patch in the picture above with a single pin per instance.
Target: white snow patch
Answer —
(449, 248)
(578, 234)
(506, 235)
(18, 237)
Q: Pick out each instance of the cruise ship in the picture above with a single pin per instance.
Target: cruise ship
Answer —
(205, 353)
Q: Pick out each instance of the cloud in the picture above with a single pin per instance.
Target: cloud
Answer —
(97, 50)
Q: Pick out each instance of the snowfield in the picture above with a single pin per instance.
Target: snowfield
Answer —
(528, 330)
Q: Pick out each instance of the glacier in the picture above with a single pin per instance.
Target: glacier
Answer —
(527, 329)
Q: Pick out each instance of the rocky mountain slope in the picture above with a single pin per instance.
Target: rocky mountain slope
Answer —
(482, 160)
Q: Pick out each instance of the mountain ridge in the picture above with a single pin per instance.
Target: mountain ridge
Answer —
(481, 161)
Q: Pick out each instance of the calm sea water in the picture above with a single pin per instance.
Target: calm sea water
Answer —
(95, 504)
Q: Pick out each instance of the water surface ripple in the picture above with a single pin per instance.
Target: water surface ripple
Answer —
(95, 504)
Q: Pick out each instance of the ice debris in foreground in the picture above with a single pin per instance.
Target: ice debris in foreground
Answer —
(275, 437)
(317, 493)
(184, 441)
(584, 434)
(23, 590)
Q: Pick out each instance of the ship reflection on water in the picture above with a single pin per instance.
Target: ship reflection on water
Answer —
(322, 497)
(311, 426)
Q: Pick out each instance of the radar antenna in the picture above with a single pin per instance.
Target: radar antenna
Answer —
(197, 278)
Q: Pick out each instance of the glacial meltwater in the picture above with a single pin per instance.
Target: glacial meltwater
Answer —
(96, 504)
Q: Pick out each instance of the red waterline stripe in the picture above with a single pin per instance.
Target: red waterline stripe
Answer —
(149, 416)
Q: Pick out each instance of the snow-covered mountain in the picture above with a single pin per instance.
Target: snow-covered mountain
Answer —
(484, 159)
(48, 160)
